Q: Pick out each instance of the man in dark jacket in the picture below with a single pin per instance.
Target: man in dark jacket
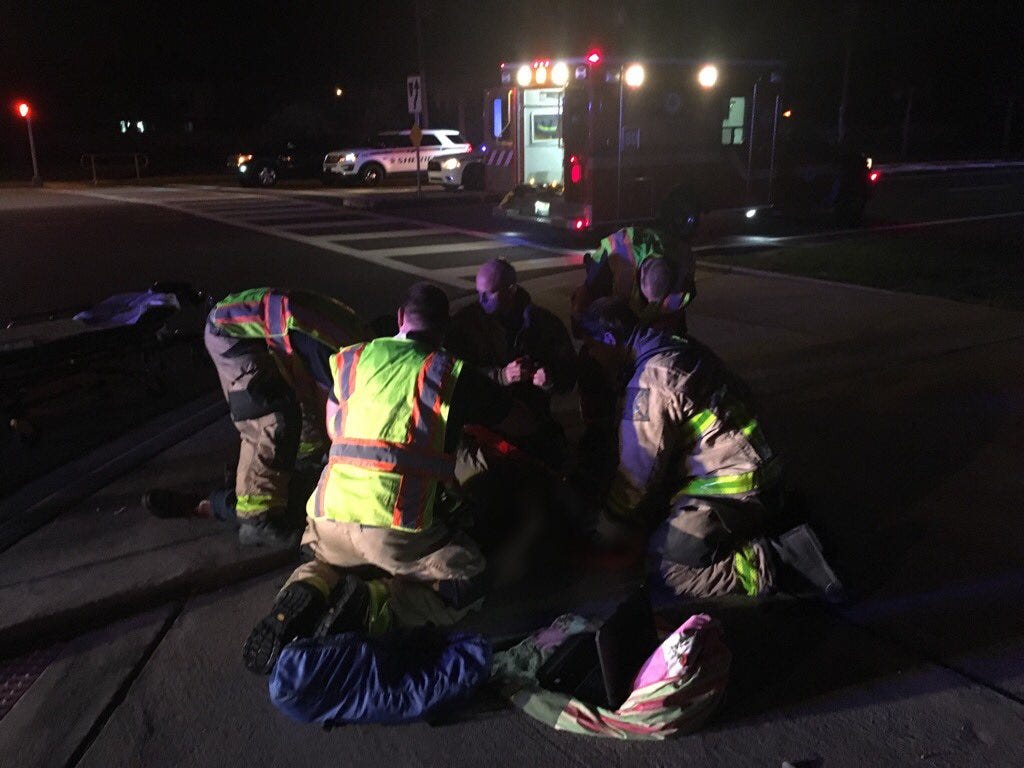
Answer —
(520, 345)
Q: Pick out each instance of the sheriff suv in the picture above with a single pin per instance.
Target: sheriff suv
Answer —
(391, 152)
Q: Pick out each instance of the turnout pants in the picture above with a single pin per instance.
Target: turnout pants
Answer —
(270, 419)
(705, 547)
(434, 576)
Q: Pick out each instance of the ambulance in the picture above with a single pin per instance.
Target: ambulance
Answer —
(595, 142)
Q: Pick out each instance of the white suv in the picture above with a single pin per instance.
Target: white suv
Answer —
(391, 152)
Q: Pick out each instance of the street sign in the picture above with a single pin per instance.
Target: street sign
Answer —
(414, 94)
(415, 135)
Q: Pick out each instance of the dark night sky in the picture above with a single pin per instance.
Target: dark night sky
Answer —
(231, 66)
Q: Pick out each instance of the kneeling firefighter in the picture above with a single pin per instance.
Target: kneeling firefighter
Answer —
(384, 502)
(271, 348)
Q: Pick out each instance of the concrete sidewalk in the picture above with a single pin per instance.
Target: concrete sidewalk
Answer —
(899, 418)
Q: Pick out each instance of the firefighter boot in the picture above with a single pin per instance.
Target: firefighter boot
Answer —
(296, 612)
(803, 563)
(352, 603)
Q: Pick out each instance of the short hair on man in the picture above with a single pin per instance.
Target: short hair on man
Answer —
(658, 278)
(426, 307)
(503, 270)
(608, 315)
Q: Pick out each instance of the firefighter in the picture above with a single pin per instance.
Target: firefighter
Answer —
(384, 501)
(694, 470)
(521, 346)
(650, 270)
(654, 274)
(271, 348)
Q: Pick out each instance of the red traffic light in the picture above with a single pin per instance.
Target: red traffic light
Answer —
(23, 109)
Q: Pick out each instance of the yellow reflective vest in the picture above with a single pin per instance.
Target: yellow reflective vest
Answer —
(388, 434)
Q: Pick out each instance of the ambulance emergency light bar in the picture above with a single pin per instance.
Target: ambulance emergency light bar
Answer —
(547, 73)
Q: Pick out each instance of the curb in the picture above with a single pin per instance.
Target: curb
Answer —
(898, 169)
(50, 495)
(69, 622)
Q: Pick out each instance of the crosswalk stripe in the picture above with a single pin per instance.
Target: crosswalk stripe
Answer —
(261, 207)
(325, 227)
(354, 221)
(381, 235)
(390, 253)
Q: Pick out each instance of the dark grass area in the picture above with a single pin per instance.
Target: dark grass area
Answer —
(979, 262)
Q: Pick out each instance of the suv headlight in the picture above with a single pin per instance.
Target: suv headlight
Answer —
(242, 160)
(348, 157)
(451, 164)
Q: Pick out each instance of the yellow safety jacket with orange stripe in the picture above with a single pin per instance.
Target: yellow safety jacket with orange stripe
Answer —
(387, 453)
(274, 314)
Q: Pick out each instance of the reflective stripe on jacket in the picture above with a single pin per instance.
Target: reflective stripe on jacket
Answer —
(685, 429)
(625, 252)
(387, 435)
(273, 314)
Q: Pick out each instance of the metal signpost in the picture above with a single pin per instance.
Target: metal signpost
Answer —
(25, 112)
(414, 95)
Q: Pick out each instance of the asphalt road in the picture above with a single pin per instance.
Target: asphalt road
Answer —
(67, 247)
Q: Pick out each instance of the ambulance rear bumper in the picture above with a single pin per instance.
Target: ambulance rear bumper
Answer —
(552, 210)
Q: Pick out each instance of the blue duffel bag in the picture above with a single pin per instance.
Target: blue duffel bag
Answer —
(403, 676)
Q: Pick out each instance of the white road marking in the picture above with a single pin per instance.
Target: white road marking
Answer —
(380, 257)
(346, 222)
(381, 235)
(427, 250)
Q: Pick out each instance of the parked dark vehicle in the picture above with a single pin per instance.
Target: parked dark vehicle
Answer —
(266, 166)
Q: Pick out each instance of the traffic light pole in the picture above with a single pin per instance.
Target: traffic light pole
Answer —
(37, 181)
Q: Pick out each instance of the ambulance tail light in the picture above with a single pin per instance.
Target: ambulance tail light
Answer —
(575, 170)
(581, 224)
(874, 176)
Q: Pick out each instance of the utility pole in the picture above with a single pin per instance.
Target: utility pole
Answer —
(906, 122)
(1008, 126)
(850, 12)
(25, 112)
(419, 55)
(841, 126)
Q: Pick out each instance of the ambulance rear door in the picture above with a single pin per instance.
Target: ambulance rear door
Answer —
(500, 162)
(761, 127)
(543, 153)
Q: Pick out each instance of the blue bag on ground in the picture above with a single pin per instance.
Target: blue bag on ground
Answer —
(403, 676)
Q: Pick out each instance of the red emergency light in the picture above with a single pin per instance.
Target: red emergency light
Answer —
(575, 170)
(594, 57)
(23, 109)
(874, 176)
